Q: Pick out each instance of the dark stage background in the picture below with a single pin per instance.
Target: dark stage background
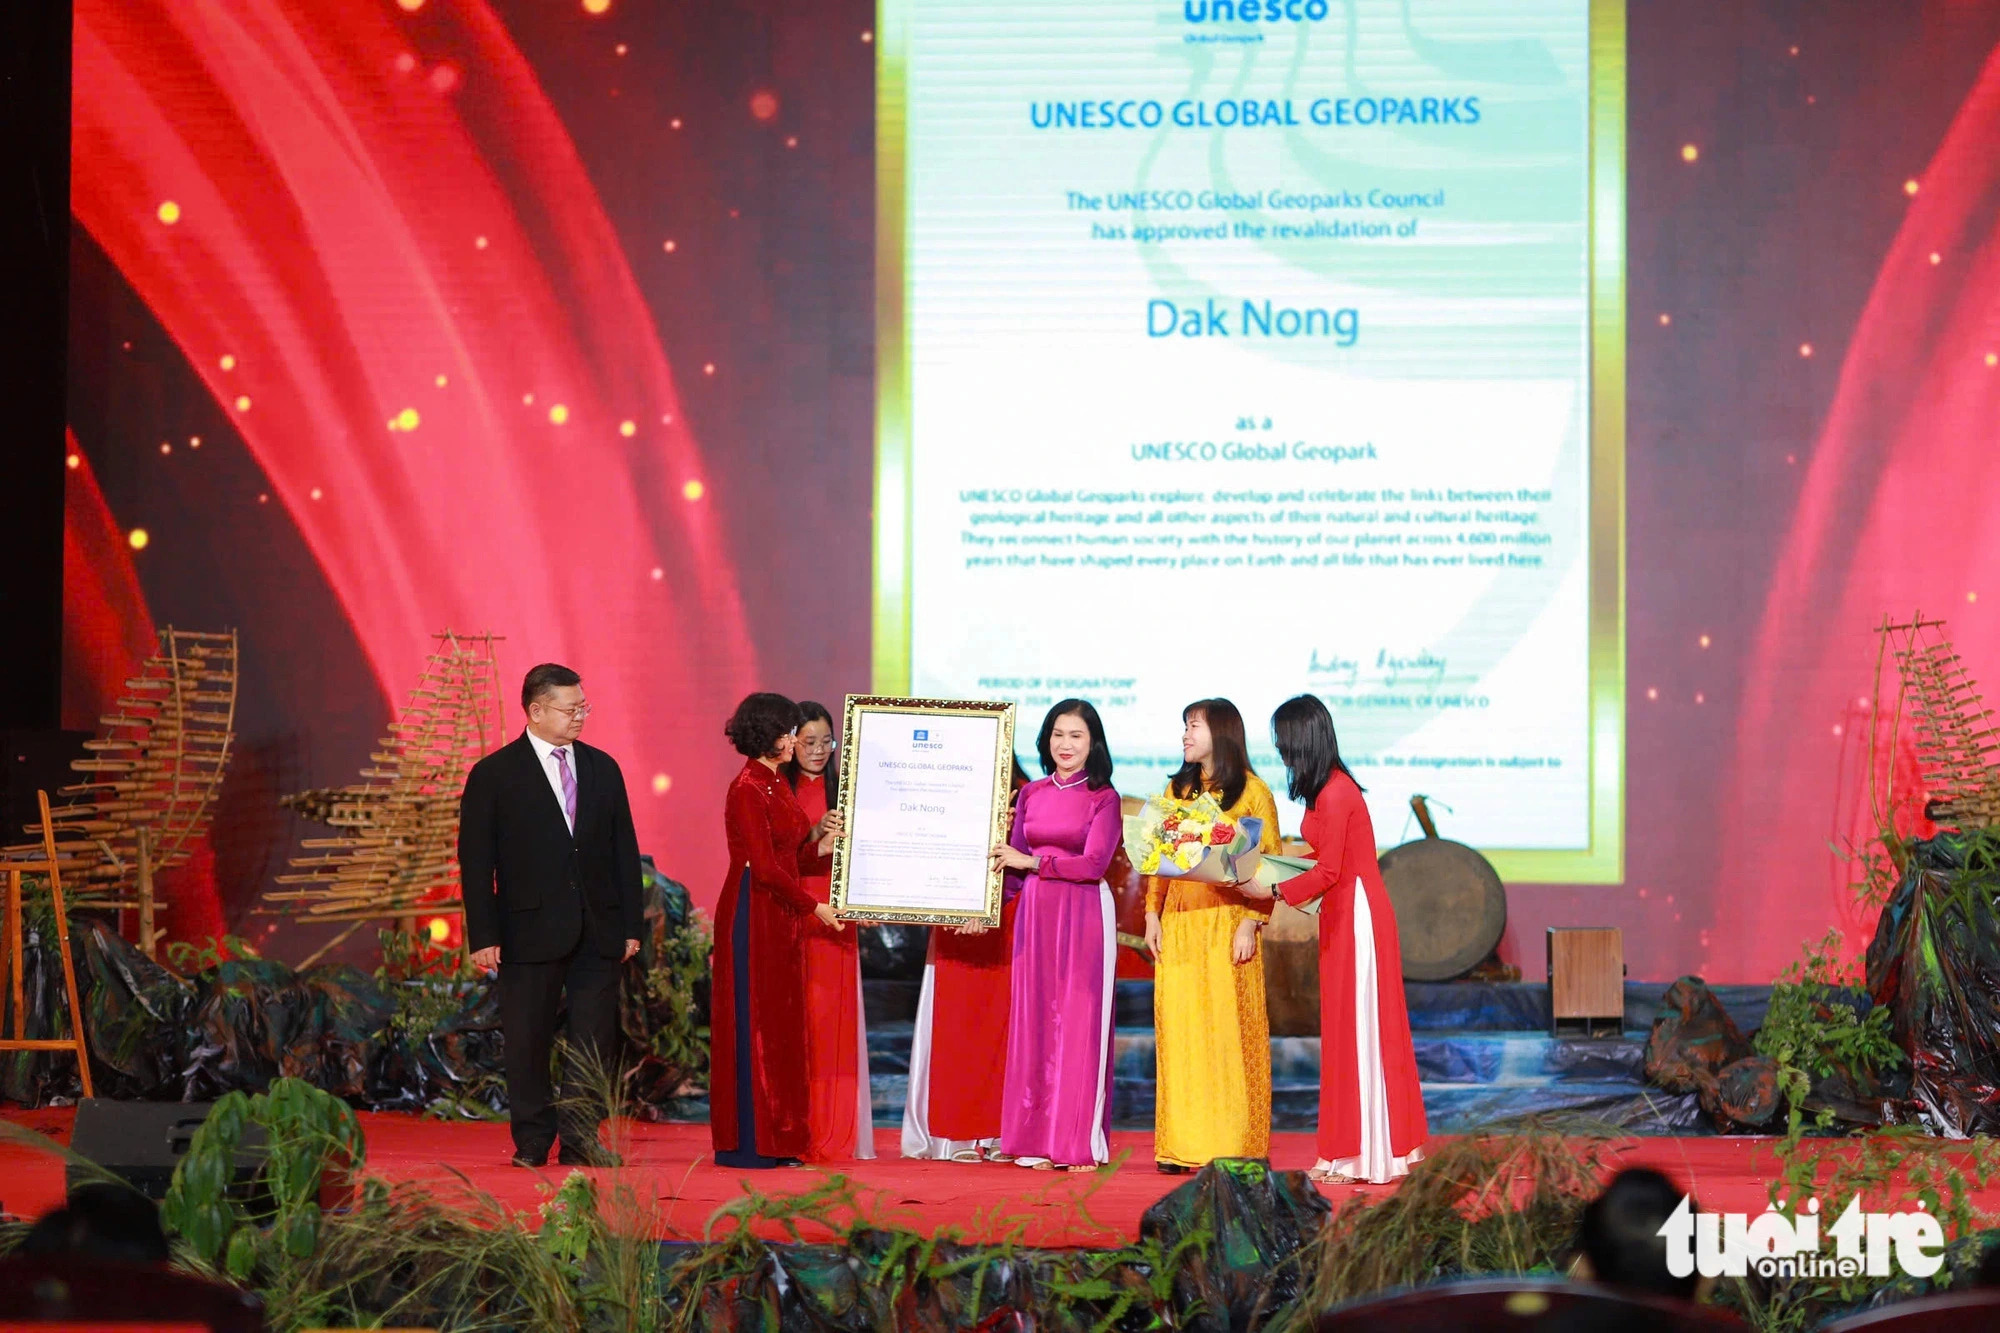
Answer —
(557, 323)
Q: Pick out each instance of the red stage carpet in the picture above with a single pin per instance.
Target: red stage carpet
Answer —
(669, 1166)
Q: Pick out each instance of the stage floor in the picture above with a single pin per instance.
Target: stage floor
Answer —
(669, 1168)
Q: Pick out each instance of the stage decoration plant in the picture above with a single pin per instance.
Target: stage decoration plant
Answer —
(837, 1256)
(430, 985)
(430, 982)
(1946, 759)
(1813, 1029)
(199, 959)
(308, 1134)
(1896, 1168)
(680, 968)
(664, 1000)
(1496, 1204)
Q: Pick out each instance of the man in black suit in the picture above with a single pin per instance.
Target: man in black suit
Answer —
(550, 865)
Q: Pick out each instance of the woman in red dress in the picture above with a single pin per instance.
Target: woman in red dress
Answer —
(842, 1117)
(952, 1110)
(1371, 1107)
(758, 1116)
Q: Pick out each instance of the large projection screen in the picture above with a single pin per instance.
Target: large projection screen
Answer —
(1264, 348)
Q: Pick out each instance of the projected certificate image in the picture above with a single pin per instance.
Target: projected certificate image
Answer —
(923, 788)
(1306, 319)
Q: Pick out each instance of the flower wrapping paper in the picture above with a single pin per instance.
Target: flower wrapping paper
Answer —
(1196, 840)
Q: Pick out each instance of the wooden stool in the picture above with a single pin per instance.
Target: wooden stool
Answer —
(1586, 977)
(14, 869)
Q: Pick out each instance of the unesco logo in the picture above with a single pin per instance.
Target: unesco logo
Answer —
(920, 739)
(1254, 11)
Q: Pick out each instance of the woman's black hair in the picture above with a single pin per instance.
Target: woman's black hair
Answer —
(758, 722)
(1097, 766)
(1620, 1234)
(1229, 766)
(1303, 730)
(812, 711)
(104, 1221)
(1020, 774)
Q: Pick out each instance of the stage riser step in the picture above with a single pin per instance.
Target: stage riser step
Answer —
(1471, 1081)
(1448, 1006)
(1450, 1110)
(1489, 1058)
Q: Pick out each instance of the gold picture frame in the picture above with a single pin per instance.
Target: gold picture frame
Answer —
(879, 782)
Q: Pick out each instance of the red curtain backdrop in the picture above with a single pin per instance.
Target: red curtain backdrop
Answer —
(390, 268)
(1892, 519)
(107, 636)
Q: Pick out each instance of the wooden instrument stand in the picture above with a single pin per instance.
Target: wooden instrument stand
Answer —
(15, 867)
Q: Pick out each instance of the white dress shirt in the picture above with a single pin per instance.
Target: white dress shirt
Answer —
(547, 754)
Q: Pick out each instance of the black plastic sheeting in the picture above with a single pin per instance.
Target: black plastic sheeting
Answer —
(1693, 1039)
(1935, 962)
(1256, 1222)
(156, 1035)
(1258, 1219)
(893, 952)
(1696, 1047)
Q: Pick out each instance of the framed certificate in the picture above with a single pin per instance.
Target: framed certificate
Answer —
(924, 785)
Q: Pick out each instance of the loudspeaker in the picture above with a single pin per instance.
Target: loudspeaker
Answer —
(1587, 977)
(142, 1142)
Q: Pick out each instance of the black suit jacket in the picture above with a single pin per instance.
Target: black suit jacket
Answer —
(529, 886)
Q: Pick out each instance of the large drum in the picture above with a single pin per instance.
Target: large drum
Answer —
(1291, 968)
(1450, 907)
(1451, 911)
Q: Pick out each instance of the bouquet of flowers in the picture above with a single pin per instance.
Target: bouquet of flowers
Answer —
(1195, 840)
(1192, 840)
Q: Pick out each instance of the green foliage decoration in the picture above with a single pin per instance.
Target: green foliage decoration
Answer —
(1891, 1169)
(192, 959)
(679, 963)
(306, 1132)
(1810, 1034)
(1482, 1205)
(430, 982)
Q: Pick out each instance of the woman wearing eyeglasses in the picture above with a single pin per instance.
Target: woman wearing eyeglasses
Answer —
(759, 1107)
(842, 1112)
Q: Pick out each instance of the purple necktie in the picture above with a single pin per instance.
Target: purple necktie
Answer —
(568, 786)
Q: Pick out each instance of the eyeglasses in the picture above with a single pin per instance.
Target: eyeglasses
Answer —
(579, 711)
(816, 746)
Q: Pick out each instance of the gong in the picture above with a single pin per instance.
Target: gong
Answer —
(1450, 907)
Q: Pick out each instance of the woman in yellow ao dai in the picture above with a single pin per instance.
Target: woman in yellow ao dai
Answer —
(1212, 1036)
